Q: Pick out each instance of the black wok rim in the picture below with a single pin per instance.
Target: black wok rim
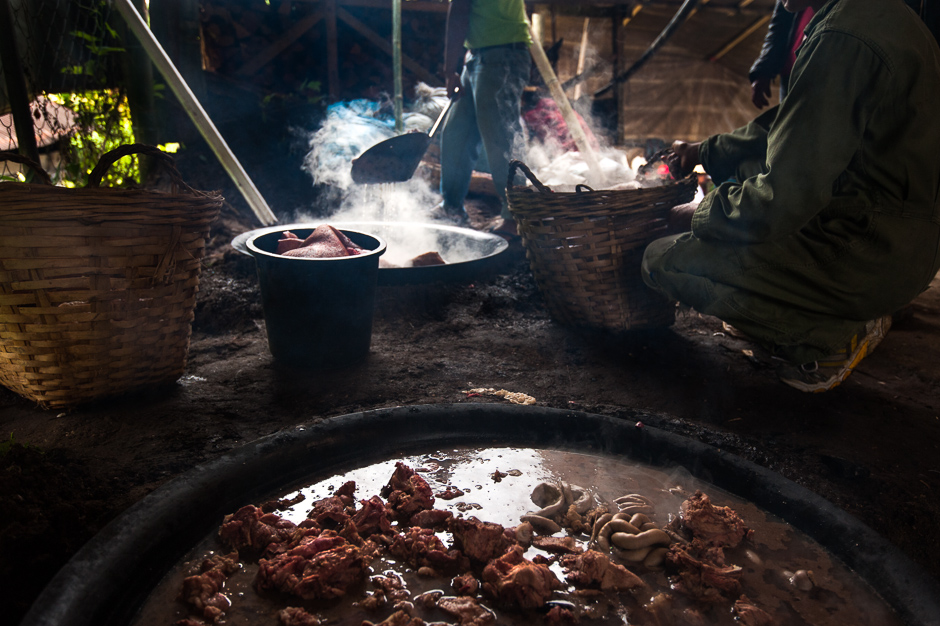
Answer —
(108, 579)
(458, 271)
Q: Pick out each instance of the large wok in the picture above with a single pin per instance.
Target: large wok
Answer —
(108, 579)
(470, 253)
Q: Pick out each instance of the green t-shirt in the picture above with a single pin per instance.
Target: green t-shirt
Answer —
(497, 22)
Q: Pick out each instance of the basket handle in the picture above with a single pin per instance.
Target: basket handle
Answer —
(16, 157)
(109, 158)
(519, 165)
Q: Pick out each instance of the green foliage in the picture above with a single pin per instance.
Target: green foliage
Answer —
(102, 115)
(104, 122)
(6, 446)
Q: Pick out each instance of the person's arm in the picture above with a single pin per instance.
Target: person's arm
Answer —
(458, 22)
(773, 53)
(721, 155)
(836, 85)
(760, 91)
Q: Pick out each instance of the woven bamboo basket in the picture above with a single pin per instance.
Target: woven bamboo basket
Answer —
(585, 249)
(98, 285)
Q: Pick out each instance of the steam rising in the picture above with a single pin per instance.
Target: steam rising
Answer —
(351, 128)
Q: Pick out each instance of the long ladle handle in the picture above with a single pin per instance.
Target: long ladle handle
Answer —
(440, 117)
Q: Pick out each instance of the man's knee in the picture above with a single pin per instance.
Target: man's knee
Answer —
(651, 267)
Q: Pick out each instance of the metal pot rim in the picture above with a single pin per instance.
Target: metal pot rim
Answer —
(255, 251)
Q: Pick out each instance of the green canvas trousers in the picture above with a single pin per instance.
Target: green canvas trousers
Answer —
(827, 210)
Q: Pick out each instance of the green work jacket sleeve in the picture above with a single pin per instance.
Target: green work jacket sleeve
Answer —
(836, 86)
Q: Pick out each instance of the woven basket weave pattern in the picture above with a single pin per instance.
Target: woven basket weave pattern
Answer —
(97, 288)
(585, 249)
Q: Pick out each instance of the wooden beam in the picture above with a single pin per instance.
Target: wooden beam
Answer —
(293, 34)
(383, 45)
(728, 47)
(632, 14)
(410, 5)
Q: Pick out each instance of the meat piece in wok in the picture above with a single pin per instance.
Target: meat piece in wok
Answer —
(594, 569)
(323, 243)
(407, 493)
(428, 258)
(321, 567)
(713, 525)
(424, 259)
(514, 580)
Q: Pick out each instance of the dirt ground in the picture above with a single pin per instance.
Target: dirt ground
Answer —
(870, 446)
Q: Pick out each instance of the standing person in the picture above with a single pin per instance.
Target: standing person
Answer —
(777, 55)
(832, 221)
(487, 64)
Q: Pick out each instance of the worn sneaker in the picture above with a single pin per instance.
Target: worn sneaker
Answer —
(828, 373)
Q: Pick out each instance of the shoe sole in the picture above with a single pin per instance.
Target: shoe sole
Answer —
(863, 349)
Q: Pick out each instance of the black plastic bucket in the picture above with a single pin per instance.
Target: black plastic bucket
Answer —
(318, 312)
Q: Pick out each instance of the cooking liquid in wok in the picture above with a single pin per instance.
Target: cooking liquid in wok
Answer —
(497, 484)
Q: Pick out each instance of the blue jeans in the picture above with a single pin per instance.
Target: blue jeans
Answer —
(487, 113)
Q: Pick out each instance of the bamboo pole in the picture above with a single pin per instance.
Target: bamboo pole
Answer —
(195, 111)
(571, 119)
(582, 52)
(396, 63)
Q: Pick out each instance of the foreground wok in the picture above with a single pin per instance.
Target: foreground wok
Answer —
(148, 539)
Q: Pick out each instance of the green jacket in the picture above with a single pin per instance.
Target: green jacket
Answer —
(858, 134)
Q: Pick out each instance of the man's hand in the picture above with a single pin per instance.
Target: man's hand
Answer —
(684, 157)
(453, 85)
(680, 217)
(760, 92)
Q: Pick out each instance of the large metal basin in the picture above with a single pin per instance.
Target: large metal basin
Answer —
(109, 578)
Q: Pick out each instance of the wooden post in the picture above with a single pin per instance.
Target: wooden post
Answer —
(618, 15)
(332, 53)
(16, 85)
(140, 99)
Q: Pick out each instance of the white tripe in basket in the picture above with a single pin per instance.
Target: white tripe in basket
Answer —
(565, 172)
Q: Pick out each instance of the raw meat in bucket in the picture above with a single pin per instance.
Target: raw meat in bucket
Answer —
(324, 242)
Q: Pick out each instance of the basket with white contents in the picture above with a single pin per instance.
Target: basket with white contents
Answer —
(585, 249)
(98, 285)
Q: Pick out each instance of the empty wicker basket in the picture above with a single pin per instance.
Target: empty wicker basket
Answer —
(585, 248)
(97, 285)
